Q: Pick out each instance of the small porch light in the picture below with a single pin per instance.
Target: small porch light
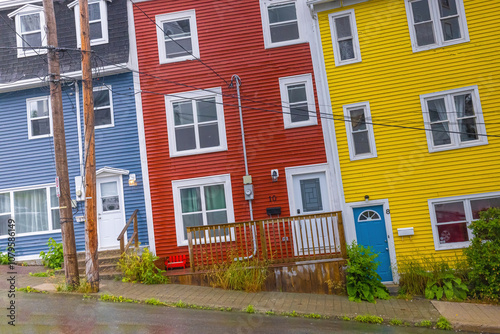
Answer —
(367, 198)
(274, 175)
(132, 180)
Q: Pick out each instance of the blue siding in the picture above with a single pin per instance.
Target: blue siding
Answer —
(26, 162)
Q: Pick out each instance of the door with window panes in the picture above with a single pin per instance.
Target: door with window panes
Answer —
(110, 211)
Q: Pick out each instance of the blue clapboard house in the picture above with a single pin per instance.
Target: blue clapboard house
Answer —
(27, 161)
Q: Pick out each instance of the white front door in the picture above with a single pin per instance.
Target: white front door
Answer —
(310, 197)
(110, 211)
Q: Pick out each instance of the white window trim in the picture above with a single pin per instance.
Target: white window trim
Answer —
(436, 27)
(160, 19)
(26, 10)
(268, 44)
(224, 179)
(109, 89)
(311, 105)
(28, 101)
(455, 141)
(49, 208)
(199, 94)
(468, 217)
(369, 127)
(355, 38)
(104, 22)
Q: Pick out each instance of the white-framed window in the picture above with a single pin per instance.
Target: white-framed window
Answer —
(30, 30)
(297, 96)
(344, 37)
(450, 218)
(39, 117)
(453, 119)
(195, 122)
(177, 36)
(103, 107)
(98, 22)
(436, 23)
(202, 201)
(281, 23)
(35, 210)
(359, 128)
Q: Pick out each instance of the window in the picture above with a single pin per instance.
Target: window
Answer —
(202, 201)
(453, 119)
(450, 218)
(103, 107)
(195, 122)
(360, 136)
(436, 23)
(98, 21)
(177, 36)
(30, 30)
(281, 23)
(39, 117)
(34, 210)
(345, 38)
(368, 215)
(297, 95)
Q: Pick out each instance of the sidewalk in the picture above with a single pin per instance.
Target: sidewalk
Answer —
(465, 316)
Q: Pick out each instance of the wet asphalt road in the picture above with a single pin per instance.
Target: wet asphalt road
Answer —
(50, 313)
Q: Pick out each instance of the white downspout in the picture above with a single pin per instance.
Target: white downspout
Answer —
(79, 126)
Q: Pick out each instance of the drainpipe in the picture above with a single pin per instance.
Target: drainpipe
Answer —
(235, 78)
(79, 126)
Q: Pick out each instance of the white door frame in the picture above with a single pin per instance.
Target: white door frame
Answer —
(350, 229)
(119, 179)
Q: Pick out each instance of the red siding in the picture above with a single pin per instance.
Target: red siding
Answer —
(231, 42)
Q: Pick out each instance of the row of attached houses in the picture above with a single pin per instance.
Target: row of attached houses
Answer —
(236, 111)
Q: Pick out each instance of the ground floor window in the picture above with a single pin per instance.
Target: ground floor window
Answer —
(34, 210)
(451, 217)
(202, 201)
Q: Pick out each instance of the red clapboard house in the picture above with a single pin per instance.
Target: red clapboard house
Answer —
(189, 52)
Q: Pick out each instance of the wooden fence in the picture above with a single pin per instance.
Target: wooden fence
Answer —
(281, 240)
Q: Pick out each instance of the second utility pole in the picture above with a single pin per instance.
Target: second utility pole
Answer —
(65, 210)
(91, 255)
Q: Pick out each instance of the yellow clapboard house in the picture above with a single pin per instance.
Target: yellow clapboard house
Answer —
(414, 88)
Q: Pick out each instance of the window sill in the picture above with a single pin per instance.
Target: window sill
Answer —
(268, 45)
(363, 156)
(456, 147)
(435, 46)
(178, 59)
(19, 235)
(197, 152)
(311, 122)
(104, 126)
(40, 137)
(31, 53)
(455, 245)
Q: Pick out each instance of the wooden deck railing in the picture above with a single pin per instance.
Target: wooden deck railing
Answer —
(282, 240)
(134, 237)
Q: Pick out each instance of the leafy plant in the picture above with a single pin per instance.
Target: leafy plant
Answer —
(396, 322)
(154, 301)
(369, 319)
(116, 299)
(141, 268)
(448, 285)
(443, 324)
(48, 273)
(29, 289)
(270, 313)
(313, 316)
(249, 309)
(181, 304)
(290, 314)
(346, 318)
(84, 287)
(54, 257)
(247, 275)
(4, 257)
(363, 281)
(483, 255)
(424, 323)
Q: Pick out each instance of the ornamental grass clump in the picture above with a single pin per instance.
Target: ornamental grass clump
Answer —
(363, 281)
(141, 268)
(483, 256)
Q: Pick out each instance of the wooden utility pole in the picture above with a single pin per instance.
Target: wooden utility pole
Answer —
(91, 255)
(65, 210)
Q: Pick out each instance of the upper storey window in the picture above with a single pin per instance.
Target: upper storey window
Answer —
(177, 36)
(98, 22)
(345, 38)
(436, 23)
(30, 30)
(280, 23)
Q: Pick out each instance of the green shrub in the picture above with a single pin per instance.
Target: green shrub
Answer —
(443, 324)
(448, 285)
(116, 299)
(363, 282)
(247, 275)
(141, 268)
(424, 323)
(483, 256)
(54, 257)
(4, 257)
(48, 273)
(29, 289)
(396, 322)
(249, 309)
(154, 301)
(369, 319)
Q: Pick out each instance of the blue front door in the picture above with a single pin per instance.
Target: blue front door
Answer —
(371, 231)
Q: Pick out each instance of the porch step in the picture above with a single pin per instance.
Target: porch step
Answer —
(108, 261)
(105, 253)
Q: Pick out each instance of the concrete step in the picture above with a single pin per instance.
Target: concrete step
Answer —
(102, 260)
(112, 252)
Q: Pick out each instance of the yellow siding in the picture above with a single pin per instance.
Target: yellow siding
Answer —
(392, 78)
